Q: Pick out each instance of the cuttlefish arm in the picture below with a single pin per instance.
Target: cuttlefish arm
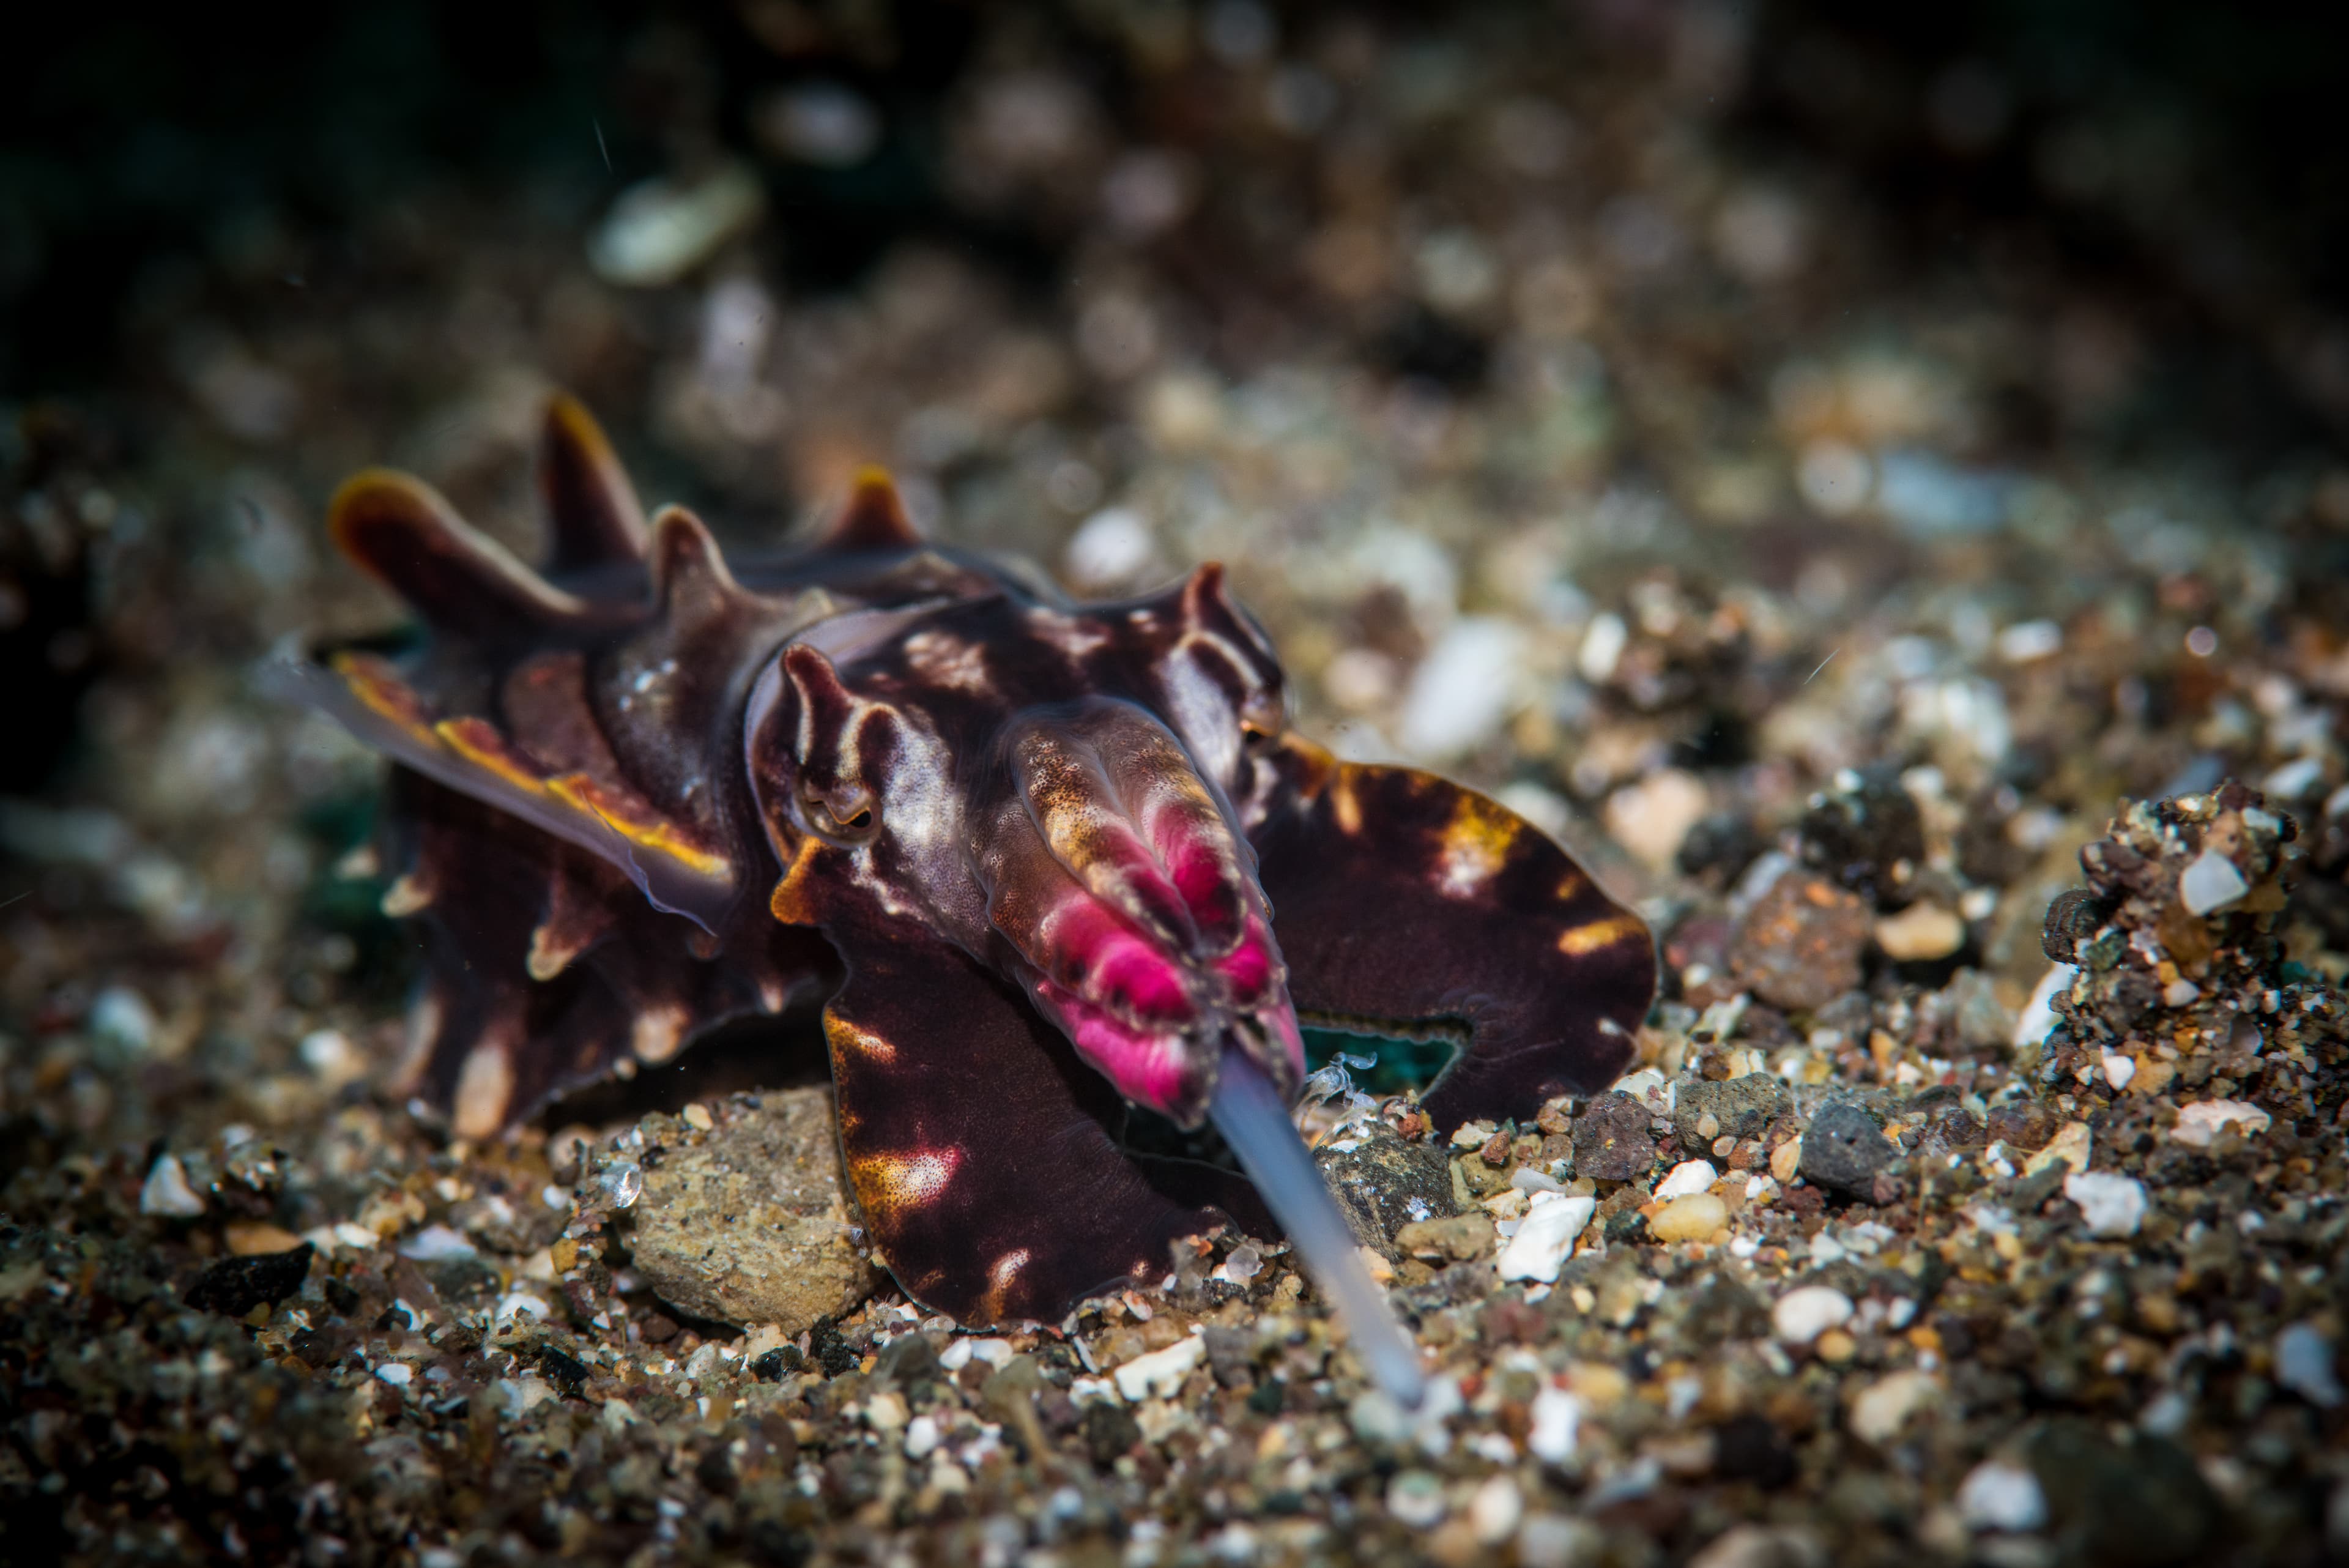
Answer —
(985, 1153)
(1408, 905)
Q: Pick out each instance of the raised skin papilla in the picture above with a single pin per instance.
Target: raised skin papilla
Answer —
(1046, 861)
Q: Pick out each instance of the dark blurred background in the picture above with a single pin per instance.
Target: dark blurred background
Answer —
(2188, 154)
(2136, 215)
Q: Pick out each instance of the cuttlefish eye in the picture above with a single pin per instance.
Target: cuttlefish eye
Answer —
(1261, 719)
(846, 815)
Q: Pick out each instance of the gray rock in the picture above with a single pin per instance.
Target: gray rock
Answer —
(1384, 1183)
(1611, 1141)
(2142, 1506)
(748, 1224)
(1843, 1148)
(1740, 1108)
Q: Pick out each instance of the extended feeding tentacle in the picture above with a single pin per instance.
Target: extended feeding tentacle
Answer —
(1407, 905)
(984, 1153)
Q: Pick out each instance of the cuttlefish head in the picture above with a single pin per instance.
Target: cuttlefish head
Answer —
(1064, 797)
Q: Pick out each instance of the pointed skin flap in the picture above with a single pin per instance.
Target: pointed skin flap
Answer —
(1481, 925)
(875, 518)
(405, 533)
(592, 510)
(691, 583)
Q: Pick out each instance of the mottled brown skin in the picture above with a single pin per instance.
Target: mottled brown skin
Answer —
(1041, 858)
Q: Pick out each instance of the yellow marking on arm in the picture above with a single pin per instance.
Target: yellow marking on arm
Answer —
(1475, 843)
(479, 743)
(384, 694)
(789, 902)
(1580, 940)
(584, 793)
(1569, 885)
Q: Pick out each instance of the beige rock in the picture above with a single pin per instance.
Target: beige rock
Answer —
(1690, 1219)
(1920, 933)
(748, 1224)
(1786, 1158)
(1650, 818)
(2071, 1145)
(1884, 1406)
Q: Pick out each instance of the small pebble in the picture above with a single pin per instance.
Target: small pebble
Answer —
(2180, 993)
(1843, 1148)
(437, 1244)
(121, 1017)
(2303, 1363)
(1463, 689)
(1112, 548)
(396, 1374)
(1920, 933)
(2003, 1497)
(1650, 819)
(1544, 1238)
(1801, 1315)
(1555, 1415)
(1494, 1509)
(1885, 1406)
(2199, 1123)
(1691, 1219)
(1688, 1178)
(2119, 1070)
(2112, 1205)
(658, 231)
(1160, 1373)
(2038, 1015)
(697, 1117)
(2211, 882)
(1415, 1498)
(167, 1191)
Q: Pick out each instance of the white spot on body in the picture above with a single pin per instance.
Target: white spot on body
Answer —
(1203, 714)
(658, 1033)
(943, 660)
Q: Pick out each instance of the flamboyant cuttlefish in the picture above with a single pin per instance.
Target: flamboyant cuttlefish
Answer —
(1043, 859)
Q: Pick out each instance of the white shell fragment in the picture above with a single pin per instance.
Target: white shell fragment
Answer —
(1555, 1415)
(2303, 1363)
(660, 230)
(2211, 883)
(2112, 1205)
(1803, 1314)
(167, 1191)
(1689, 1176)
(1998, 1496)
(1545, 1239)
(2199, 1123)
(1160, 1373)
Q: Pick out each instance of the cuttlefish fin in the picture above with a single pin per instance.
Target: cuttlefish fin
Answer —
(1482, 927)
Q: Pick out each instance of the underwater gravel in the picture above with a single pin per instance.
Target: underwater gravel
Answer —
(1989, 801)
